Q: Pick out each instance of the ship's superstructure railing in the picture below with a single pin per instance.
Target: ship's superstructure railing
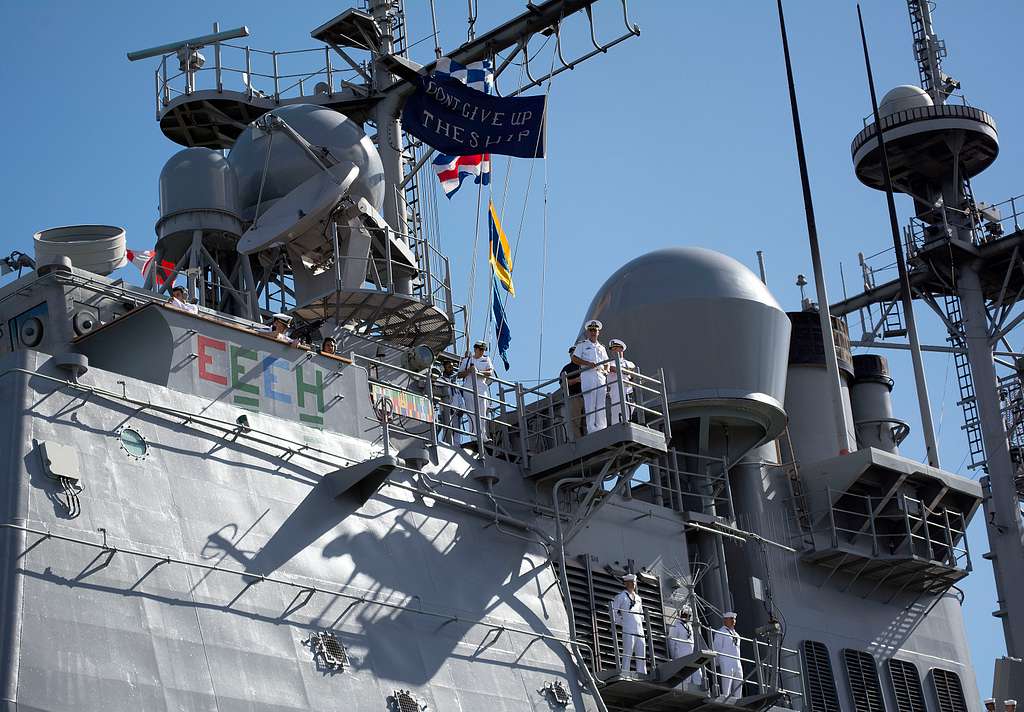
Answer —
(255, 72)
(635, 397)
(509, 420)
(686, 482)
(896, 527)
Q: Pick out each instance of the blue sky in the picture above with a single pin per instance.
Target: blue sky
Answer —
(679, 137)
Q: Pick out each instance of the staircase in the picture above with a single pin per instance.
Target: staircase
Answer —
(965, 382)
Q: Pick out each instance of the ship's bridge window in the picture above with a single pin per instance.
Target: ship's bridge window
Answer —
(948, 691)
(865, 687)
(818, 678)
(906, 686)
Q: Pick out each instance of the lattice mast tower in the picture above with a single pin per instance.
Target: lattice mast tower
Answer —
(964, 269)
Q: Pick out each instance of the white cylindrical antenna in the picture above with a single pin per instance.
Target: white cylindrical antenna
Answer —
(200, 41)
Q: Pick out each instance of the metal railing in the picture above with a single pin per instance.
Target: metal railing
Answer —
(984, 222)
(686, 481)
(254, 72)
(554, 417)
(768, 667)
(897, 527)
(501, 418)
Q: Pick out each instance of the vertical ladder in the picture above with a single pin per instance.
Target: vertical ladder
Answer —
(965, 382)
(892, 325)
(929, 50)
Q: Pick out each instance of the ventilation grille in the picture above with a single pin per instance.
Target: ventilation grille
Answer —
(330, 650)
(821, 684)
(906, 686)
(592, 591)
(948, 691)
(404, 702)
(865, 688)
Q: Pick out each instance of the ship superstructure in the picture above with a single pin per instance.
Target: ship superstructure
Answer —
(202, 515)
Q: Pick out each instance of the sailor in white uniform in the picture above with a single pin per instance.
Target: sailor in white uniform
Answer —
(587, 355)
(680, 642)
(179, 300)
(1010, 705)
(480, 364)
(618, 348)
(727, 645)
(990, 704)
(628, 612)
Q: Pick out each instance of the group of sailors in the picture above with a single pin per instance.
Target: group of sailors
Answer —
(591, 377)
(627, 613)
(1008, 705)
(593, 382)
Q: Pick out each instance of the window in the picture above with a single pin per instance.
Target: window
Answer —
(865, 688)
(818, 678)
(906, 686)
(948, 691)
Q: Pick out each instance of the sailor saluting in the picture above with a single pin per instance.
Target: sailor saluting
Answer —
(588, 354)
(628, 612)
(478, 363)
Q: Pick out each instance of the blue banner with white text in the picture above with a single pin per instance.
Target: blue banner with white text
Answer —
(454, 119)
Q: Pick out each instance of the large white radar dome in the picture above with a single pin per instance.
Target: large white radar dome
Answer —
(290, 166)
(904, 98)
(710, 323)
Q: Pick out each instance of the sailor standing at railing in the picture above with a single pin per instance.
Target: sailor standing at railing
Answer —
(727, 645)
(680, 642)
(628, 612)
(623, 412)
(451, 398)
(476, 371)
(588, 354)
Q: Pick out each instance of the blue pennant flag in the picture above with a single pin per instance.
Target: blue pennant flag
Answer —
(501, 330)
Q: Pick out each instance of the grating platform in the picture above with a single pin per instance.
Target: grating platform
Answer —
(214, 119)
(629, 691)
(398, 318)
(628, 443)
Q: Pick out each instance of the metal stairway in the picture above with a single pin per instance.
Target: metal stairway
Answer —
(965, 382)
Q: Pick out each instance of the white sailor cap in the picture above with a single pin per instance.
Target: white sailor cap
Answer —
(281, 317)
(594, 323)
(629, 577)
(989, 699)
(617, 342)
(729, 614)
(1009, 702)
(480, 345)
(685, 611)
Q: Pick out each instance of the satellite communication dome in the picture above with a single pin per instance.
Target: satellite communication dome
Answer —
(290, 165)
(198, 191)
(903, 98)
(711, 324)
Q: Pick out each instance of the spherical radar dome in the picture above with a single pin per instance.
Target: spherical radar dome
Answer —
(904, 98)
(290, 165)
(710, 323)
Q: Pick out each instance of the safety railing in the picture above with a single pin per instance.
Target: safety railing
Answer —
(555, 415)
(254, 72)
(687, 482)
(897, 527)
(762, 667)
(984, 223)
(432, 408)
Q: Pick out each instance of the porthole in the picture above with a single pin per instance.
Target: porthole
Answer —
(133, 443)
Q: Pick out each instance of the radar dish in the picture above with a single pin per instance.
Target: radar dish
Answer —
(298, 212)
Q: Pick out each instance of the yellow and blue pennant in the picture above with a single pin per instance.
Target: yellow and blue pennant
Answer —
(501, 255)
